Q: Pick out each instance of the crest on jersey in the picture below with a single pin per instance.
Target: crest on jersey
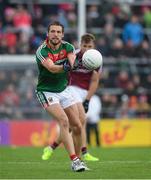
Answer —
(50, 99)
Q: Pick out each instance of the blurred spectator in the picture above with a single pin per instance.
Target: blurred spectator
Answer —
(109, 35)
(147, 83)
(29, 105)
(132, 106)
(105, 105)
(130, 89)
(144, 50)
(109, 18)
(22, 21)
(123, 109)
(93, 117)
(92, 16)
(136, 81)
(9, 15)
(23, 44)
(103, 47)
(67, 6)
(122, 79)
(72, 19)
(9, 101)
(147, 17)
(10, 37)
(26, 83)
(63, 19)
(117, 48)
(4, 80)
(143, 107)
(113, 107)
(9, 96)
(133, 33)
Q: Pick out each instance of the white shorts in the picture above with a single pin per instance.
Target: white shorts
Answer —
(64, 98)
(78, 93)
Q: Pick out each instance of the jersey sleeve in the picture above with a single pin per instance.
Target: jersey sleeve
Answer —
(70, 48)
(41, 55)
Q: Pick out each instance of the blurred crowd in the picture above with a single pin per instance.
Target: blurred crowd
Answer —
(122, 95)
(122, 32)
(121, 29)
(17, 95)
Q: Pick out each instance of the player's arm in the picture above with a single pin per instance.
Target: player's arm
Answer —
(92, 89)
(93, 84)
(44, 60)
(71, 58)
(54, 68)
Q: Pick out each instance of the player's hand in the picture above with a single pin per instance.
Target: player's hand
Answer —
(76, 65)
(66, 66)
(86, 105)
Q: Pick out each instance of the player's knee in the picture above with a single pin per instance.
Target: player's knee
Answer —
(77, 128)
(64, 123)
(82, 120)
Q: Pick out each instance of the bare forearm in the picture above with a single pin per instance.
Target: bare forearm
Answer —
(55, 68)
(71, 58)
(93, 84)
(92, 89)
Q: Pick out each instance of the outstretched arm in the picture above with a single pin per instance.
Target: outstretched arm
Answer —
(93, 84)
(48, 64)
(92, 89)
(71, 57)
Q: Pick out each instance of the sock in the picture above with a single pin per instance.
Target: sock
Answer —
(84, 150)
(54, 145)
(73, 157)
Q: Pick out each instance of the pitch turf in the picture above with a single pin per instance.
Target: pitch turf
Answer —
(115, 163)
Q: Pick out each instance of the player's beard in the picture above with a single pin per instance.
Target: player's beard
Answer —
(55, 41)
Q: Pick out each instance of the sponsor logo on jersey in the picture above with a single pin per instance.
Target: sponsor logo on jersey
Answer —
(62, 54)
(55, 57)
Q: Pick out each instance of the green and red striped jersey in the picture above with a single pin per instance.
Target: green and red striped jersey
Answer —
(48, 81)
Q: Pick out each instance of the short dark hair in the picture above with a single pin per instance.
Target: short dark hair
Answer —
(88, 38)
(56, 23)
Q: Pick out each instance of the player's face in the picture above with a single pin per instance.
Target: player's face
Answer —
(55, 34)
(87, 46)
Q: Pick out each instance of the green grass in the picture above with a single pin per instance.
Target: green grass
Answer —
(115, 163)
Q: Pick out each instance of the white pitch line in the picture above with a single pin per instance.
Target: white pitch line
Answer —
(100, 162)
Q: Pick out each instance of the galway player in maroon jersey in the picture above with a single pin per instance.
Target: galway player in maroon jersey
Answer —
(83, 85)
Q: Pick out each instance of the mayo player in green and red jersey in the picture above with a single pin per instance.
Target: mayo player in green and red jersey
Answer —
(83, 85)
(55, 58)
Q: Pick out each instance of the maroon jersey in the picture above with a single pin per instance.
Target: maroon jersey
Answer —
(80, 77)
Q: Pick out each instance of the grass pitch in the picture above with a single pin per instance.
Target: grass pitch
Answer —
(115, 163)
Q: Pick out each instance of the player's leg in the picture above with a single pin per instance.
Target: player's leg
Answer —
(69, 105)
(75, 124)
(51, 104)
(86, 155)
(48, 151)
(96, 134)
(79, 95)
(58, 113)
(88, 130)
